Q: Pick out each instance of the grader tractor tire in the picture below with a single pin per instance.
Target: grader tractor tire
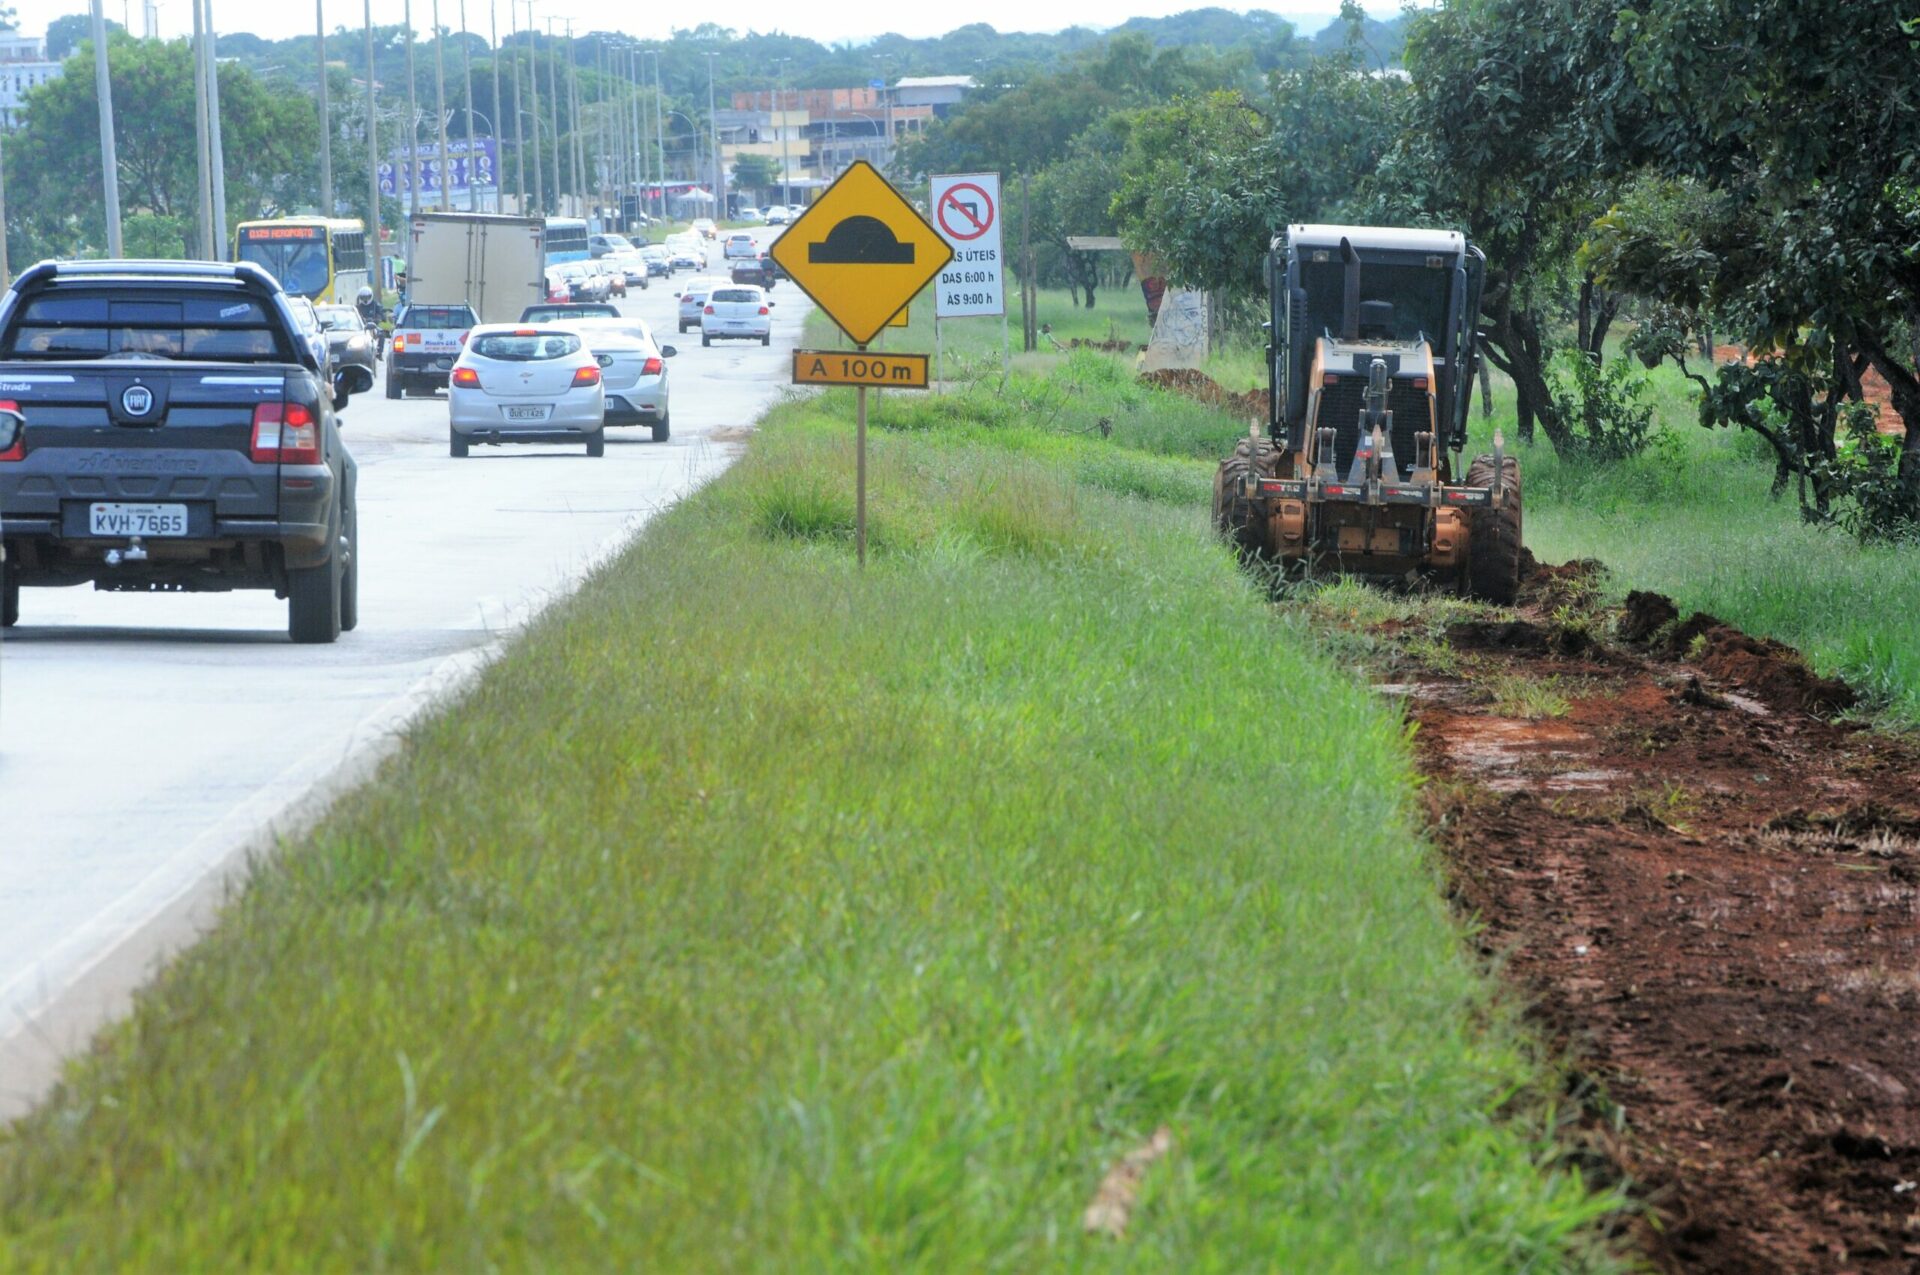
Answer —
(1234, 516)
(1494, 539)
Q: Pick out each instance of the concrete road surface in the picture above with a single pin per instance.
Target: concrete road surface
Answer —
(148, 740)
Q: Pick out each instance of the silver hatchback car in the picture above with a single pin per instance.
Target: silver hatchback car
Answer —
(526, 383)
(633, 369)
(693, 300)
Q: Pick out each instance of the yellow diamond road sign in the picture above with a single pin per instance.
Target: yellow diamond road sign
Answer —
(861, 252)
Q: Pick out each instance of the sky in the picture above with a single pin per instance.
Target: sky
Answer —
(828, 24)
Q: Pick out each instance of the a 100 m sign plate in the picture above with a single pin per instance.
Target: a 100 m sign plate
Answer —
(857, 367)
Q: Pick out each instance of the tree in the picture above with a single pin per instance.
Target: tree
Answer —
(271, 148)
(65, 33)
(1789, 143)
(755, 172)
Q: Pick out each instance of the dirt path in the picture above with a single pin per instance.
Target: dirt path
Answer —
(1712, 893)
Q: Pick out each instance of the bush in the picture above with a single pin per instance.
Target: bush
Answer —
(1605, 403)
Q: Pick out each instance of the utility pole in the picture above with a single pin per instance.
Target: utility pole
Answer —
(215, 146)
(326, 118)
(109, 158)
(574, 152)
(786, 190)
(6, 270)
(440, 108)
(493, 25)
(659, 133)
(713, 135)
(466, 88)
(413, 148)
(553, 99)
(373, 161)
(533, 84)
(200, 139)
(643, 166)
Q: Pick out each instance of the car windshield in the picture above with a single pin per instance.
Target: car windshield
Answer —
(525, 347)
(736, 294)
(300, 266)
(436, 316)
(617, 332)
(338, 318)
(616, 241)
(219, 325)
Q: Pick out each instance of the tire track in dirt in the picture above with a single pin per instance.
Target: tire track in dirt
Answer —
(1710, 892)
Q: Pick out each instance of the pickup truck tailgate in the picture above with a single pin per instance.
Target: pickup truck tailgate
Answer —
(123, 432)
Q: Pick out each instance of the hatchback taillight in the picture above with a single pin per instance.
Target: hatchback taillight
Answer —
(285, 433)
(709, 309)
(763, 309)
(19, 449)
(652, 367)
(586, 376)
(466, 378)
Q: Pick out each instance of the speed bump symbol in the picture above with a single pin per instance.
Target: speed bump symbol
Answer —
(860, 241)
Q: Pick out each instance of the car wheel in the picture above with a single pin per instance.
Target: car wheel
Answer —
(597, 442)
(457, 444)
(766, 338)
(394, 388)
(350, 578)
(313, 602)
(662, 430)
(705, 339)
(10, 595)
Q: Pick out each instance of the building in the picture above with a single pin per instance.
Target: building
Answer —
(825, 130)
(936, 94)
(23, 66)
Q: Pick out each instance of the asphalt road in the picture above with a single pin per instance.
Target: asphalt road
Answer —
(147, 740)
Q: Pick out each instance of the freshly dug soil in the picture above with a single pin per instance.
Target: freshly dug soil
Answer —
(1253, 405)
(1710, 894)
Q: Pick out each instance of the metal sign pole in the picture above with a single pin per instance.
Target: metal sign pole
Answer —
(939, 362)
(860, 477)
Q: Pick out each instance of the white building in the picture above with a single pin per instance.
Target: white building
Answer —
(23, 65)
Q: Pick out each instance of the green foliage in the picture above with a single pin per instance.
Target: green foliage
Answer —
(54, 193)
(1606, 401)
(755, 172)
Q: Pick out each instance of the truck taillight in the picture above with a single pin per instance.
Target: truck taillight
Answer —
(19, 449)
(285, 433)
(1329, 379)
(399, 342)
(466, 378)
(652, 367)
(586, 376)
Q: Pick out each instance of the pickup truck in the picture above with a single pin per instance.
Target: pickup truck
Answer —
(426, 341)
(179, 434)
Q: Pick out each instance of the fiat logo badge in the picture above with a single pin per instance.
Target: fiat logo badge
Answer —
(138, 400)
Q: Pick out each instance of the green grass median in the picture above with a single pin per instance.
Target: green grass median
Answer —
(754, 913)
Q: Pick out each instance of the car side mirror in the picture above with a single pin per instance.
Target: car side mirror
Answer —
(772, 304)
(667, 351)
(12, 427)
(348, 381)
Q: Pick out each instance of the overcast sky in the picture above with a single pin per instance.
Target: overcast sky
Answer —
(826, 23)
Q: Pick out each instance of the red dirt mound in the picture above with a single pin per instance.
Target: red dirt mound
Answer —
(1195, 384)
(1711, 900)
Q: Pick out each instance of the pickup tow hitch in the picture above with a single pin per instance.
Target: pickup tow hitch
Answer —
(134, 552)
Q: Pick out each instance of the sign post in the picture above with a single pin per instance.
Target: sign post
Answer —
(966, 211)
(861, 252)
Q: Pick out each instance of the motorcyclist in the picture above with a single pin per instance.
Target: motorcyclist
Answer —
(370, 312)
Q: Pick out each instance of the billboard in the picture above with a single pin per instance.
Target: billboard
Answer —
(469, 166)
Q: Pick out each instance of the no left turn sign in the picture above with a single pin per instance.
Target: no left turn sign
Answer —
(965, 212)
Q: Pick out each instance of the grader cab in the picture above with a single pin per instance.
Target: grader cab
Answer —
(1359, 469)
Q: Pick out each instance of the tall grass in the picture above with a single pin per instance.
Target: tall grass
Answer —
(755, 913)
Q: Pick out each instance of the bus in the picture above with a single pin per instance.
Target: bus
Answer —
(566, 240)
(321, 258)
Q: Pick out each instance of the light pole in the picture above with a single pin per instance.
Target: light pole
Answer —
(109, 157)
(659, 131)
(440, 108)
(203, 150)
(373, 158)
(413, 147)
(786, 190)
(215, 147)
(326, 121)
(713, 129)
(472, 166)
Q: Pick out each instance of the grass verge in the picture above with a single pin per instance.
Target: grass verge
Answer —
(754, 913)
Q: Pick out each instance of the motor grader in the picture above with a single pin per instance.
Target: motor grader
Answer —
(1371, 370)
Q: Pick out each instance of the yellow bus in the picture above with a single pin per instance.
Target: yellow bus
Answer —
(321, 258)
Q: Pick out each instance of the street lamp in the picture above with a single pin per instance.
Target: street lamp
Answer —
(786, 190)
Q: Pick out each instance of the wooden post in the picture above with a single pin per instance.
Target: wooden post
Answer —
(1029, 301)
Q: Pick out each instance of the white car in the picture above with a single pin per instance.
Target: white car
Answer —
(750, 214)
(693, 300)
(633, 368)
(778, 215)
(734, 312)
(706, 227)
(689, 251)
(634, 266)
(526, 383)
